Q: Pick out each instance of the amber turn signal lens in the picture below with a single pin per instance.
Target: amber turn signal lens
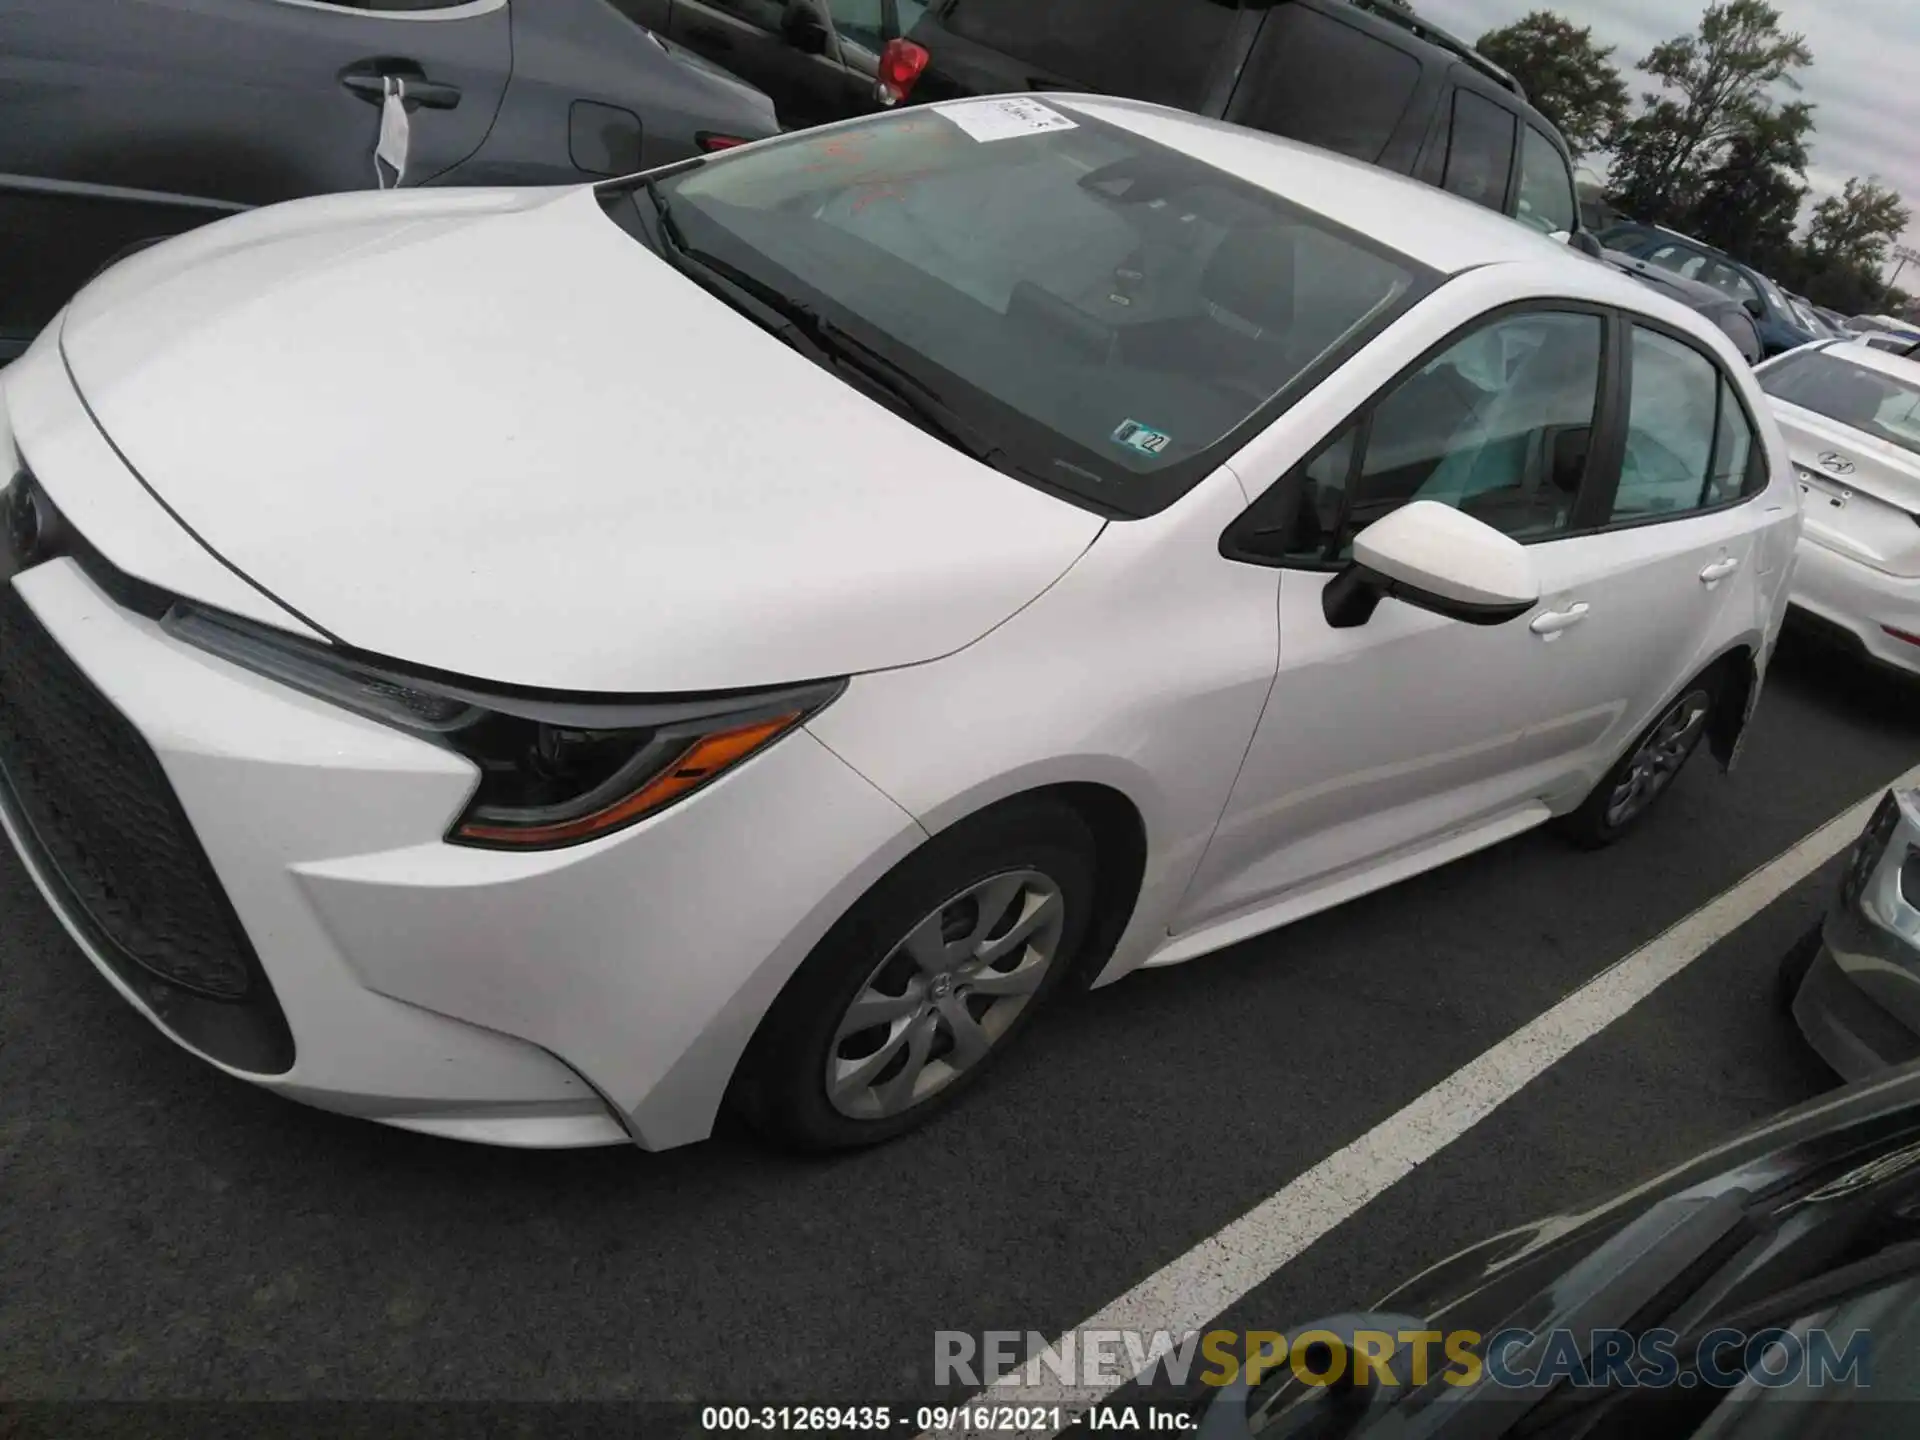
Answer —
(700, 762)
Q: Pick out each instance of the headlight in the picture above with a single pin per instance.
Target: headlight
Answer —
(553, 772)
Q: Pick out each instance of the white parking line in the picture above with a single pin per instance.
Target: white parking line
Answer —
(1186, 1293)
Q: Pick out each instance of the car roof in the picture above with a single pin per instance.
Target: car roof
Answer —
(1427, 225)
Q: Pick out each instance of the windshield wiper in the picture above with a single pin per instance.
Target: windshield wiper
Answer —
(826, 343)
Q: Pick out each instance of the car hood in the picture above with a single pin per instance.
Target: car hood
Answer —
(488, 432)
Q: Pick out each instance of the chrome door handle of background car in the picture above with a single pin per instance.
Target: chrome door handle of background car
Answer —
(1554, 621)
(1719, 570)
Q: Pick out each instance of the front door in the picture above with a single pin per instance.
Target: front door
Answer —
(1388, 737)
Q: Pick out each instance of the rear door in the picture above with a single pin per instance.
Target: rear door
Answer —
(1670, 569)
(122, 123)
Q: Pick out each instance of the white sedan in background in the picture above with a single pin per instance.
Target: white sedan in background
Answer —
(1851, 415)
(533, 666)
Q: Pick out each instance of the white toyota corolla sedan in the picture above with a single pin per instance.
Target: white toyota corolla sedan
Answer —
(1851, 415)
(537, 666)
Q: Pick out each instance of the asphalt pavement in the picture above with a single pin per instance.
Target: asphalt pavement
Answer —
(168, 1233)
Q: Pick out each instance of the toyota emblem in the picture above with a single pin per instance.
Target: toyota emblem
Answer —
(1837, 463)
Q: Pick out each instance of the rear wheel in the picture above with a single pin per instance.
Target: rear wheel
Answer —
(1630, 790)
(928, 979)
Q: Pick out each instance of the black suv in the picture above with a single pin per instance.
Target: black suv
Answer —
(1362, 77)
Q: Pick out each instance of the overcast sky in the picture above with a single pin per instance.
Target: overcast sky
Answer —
(1861, 82)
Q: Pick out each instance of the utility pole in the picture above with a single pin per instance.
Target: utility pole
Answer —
(1906, 255)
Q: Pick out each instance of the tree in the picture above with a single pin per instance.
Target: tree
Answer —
(1859, 225)
(1714, 89)
(1749, 202)
(1569, 79)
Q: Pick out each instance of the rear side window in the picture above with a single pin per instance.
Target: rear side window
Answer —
(1546, 185)
(1673, 429)
(1480, 155)
(1315, 79)
(1734, 473)
(1162, 50)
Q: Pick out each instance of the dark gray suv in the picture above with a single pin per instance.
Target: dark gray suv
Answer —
(1364, 77)
(122, 124)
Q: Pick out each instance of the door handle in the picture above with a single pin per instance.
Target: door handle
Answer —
(1554, 621)
(1719, 570)
(371, 86)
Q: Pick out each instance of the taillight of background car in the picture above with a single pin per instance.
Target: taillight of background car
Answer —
(901, 64)
(710, 141)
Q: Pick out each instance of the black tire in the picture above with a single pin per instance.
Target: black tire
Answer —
(1591, 827)
(1794, 966)
(781, 1088)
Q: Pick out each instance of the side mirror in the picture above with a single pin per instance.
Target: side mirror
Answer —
(1439, 559)
(1755, 307)
(1583, 241)
(804, 28)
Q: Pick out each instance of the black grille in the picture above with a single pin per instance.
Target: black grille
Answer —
(100, 819)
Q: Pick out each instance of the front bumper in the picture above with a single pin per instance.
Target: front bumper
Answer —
(571, 997)
(1859, 1005)
(1859, 603)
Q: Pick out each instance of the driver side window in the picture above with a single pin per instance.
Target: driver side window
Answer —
(1498, 425)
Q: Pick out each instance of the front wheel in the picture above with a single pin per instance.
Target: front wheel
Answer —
(929, 978)
(1629, 791)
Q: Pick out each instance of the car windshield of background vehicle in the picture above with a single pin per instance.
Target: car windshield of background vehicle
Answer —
(1108, 314)
(1866, 400)
(1161, 50)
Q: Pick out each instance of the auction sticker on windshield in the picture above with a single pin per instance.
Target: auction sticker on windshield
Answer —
(1006, 119)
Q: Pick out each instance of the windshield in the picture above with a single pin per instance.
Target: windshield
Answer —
(1110, 315)
(1775, 300)
(1872, 401)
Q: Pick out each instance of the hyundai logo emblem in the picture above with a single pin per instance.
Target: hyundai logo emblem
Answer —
(1837, 463)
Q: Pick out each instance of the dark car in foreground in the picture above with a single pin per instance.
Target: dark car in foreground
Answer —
(124, 124)
(1365, 78)
(1853, 984)
(1781, 326)
(1769, 1287)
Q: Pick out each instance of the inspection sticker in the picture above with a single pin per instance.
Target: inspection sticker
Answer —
(1005, 118)
(1143, 438)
